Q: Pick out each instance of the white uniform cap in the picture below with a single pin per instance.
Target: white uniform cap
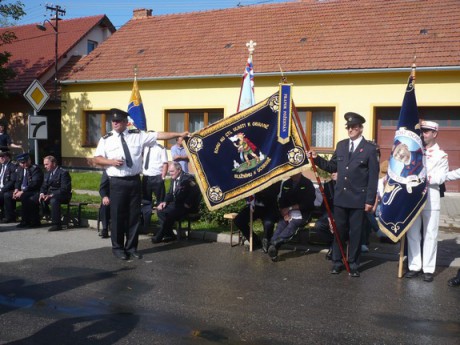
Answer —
(429, 125)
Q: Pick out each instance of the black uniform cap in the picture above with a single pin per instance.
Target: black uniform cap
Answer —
(354, 119)
(118, 115)
(22, 157)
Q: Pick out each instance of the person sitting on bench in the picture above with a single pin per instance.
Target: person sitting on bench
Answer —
(183, 198)
(296, 202)
(55, 190)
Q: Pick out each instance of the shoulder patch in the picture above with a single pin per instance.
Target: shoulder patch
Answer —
(107, 135)
(134, 131)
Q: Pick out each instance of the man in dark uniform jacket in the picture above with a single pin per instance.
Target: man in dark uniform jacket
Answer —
(356, 162)
(183, 198)
(7, 178)
(266, 209)
(104, 209)
(296, 202)
(120, 151)
(29, 178)
(56, 190)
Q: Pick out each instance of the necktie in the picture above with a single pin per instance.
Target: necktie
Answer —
(25, 180)
(129, 160)
(147, 159)
(351, 150)
(2, 174)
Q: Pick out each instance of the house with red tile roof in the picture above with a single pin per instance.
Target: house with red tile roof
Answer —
(33, 57)
(341, 55)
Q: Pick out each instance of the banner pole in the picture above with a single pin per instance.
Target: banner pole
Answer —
(251, 226)
(401, 257)
(320, 185)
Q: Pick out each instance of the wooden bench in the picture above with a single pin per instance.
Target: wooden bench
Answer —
(189, 218)
(231, 217)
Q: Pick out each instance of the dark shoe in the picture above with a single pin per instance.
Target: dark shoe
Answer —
(337, 268)
(272, 252)
(55, 228)
(35, 225)
(22, 225)
(169, 238)
(135, 255)
(6, 221)
(354, 273)
(155, 240)
(265, 245)
(412, 274)
(428, 277)
(104, 234)
(455, 281)
(120, 255)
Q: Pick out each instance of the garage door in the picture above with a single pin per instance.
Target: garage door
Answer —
(448, 137)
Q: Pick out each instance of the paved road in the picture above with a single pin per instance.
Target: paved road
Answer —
(66, 288)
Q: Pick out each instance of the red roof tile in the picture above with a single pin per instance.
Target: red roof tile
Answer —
(33, 50)
(298, 36)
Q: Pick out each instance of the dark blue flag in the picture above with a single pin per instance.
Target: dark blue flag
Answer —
(405, 190)
(240, 155)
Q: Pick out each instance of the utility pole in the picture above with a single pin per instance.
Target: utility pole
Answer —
(57, 12)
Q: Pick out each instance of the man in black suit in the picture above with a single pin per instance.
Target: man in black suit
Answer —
(55, 190)
(7, 178)
(356, 162)
(29, 178)
(183, 198)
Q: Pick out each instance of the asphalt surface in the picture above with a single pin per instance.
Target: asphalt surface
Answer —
(65, 287)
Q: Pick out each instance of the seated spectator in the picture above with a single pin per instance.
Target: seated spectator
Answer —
(183, 198)
(104, 209)
(29, 178)
(265, 208)
(452, 176)
(55, 190)
(296, 203)
(7, 178)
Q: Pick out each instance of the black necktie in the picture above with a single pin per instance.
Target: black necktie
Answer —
(351, 150)
(147, 159)
(129, 160)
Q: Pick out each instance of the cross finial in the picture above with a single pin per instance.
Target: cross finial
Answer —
(251, 46)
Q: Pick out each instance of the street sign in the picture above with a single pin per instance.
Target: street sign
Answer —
(38, 127)
(36, 95)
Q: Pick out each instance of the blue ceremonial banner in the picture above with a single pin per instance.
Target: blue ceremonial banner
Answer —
(284, 113)
(405, 191)
(240, 155)
(136, 110)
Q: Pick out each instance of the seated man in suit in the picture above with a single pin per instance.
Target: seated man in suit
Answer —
(183, 198)
(55, 190)
(29, 178)
(296, 202)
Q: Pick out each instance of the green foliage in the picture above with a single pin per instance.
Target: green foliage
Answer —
(15, 11)
(217, 216)
(323, 174)
(86, 180)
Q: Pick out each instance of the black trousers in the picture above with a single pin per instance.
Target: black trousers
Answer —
(168, 216)
(153, 185)
(268, 217)
(30, 208)
(349, 222)
(55, 202)
(125, 212)
(8, 205)
(104, 215)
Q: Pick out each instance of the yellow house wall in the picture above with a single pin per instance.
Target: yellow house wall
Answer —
(359, 93)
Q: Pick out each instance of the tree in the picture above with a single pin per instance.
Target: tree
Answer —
(15, 11)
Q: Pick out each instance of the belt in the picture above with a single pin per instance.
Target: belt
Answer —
(134, 177)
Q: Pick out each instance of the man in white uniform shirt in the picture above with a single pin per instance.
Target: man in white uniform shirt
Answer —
(437, 167)
(155, 168)
(120, 151)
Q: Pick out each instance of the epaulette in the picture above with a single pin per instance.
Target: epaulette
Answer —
(134, 131)
(107, 135)
(372, 142)
(151, 131)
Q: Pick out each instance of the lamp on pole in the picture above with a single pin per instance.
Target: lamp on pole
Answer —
(58, 10)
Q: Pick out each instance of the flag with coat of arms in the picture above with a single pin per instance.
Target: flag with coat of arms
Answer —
(136, 109)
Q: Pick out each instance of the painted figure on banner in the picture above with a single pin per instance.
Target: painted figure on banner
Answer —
(246, 148)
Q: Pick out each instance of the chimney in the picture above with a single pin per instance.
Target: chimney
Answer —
(141, 13)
